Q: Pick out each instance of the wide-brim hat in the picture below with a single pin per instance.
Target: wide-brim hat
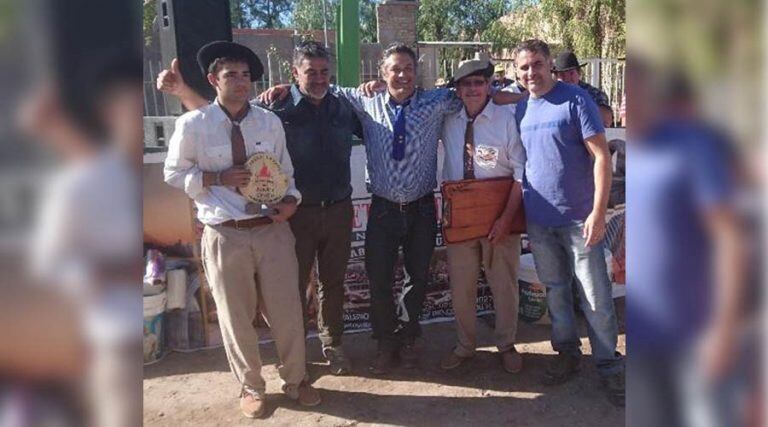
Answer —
(565, 61)
(481, 65)
(225, 49)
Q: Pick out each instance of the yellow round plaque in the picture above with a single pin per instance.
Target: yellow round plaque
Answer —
(268, 183)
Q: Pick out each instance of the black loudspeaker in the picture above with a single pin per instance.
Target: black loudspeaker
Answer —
(185, 27)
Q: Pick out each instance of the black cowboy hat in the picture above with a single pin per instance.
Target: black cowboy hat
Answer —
(566, 61)
(224, 49)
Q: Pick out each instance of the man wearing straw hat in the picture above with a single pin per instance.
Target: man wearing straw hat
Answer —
(248, 253)
(500, 80)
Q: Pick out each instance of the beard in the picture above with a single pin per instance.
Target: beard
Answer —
(314, 94)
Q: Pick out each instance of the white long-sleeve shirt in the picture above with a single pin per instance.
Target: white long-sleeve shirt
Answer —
(498, 150)
(201, 143)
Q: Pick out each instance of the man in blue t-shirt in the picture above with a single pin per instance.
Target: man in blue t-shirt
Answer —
(565, 192)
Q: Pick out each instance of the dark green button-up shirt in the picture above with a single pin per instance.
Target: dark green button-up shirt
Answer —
(319, 140)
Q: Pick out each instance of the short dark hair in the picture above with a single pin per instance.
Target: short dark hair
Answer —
(395, 48)
(532, 45)
(310, 49)
(217, 63)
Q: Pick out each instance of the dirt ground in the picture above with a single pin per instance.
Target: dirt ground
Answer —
(197, 389)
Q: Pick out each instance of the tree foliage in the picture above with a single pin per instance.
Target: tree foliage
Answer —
(150, 13)
(259, 13)
(590, 27)
(308, 15)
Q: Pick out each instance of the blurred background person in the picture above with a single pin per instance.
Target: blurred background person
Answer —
(692, 315)
(76, 343)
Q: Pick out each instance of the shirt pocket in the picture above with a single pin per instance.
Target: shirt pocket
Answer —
(259, 140)
(217, 157)
(340, 133)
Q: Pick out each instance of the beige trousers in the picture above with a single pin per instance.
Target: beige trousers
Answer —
(248, 270)
(500, 262)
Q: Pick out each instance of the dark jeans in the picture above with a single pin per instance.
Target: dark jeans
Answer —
(325, 233)
(390, 227)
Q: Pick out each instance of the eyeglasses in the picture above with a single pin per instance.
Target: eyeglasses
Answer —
(465, 83)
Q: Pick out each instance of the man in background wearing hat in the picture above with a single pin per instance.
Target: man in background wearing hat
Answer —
(567, 69)
(565, 192)
(500, 80)
(206, 158)
(481, 141)
(319, 125)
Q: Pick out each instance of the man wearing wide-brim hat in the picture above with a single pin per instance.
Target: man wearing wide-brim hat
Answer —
(207, 158)
(481, 141)
(499, 79)
(568, 69)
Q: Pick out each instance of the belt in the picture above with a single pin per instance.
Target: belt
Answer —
(403, 206)
(247, 223)
(325, 203)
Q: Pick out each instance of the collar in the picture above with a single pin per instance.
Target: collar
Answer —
(488, 112)
(221, 115)
(297, 96)
(413, 99)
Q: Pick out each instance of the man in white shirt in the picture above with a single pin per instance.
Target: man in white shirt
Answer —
(248, 258)
(489, 132)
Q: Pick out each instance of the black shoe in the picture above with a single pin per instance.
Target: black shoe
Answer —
(561, 369)
(614, 385)
(337, 360)
(409, 356)
(383, 362)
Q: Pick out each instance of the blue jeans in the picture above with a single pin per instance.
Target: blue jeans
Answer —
(390, 227)
(559, 254)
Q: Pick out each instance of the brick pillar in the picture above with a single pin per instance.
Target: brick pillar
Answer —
(396, 21)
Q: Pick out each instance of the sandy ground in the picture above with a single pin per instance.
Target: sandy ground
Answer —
(198, 389)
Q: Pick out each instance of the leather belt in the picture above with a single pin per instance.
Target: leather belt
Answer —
(325, 203)
(247, 223)
(403, 206)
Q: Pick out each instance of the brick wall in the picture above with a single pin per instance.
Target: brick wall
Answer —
(396, 21)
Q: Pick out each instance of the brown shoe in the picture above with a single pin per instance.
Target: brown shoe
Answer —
(512, 361)
(251, 405)
(452, 361)
(383, 363)
(308, 395)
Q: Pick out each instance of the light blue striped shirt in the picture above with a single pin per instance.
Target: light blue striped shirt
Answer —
(415, 175)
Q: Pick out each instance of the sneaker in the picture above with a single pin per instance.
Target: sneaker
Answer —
(252, 405)
(409, 356)
(452, 361)
(561, 369)
(337, 360)
(383, 362)
(614, 385)
(512, 361)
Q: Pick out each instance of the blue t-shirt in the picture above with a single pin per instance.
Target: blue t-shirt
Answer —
(558, 185)
(674, 176)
